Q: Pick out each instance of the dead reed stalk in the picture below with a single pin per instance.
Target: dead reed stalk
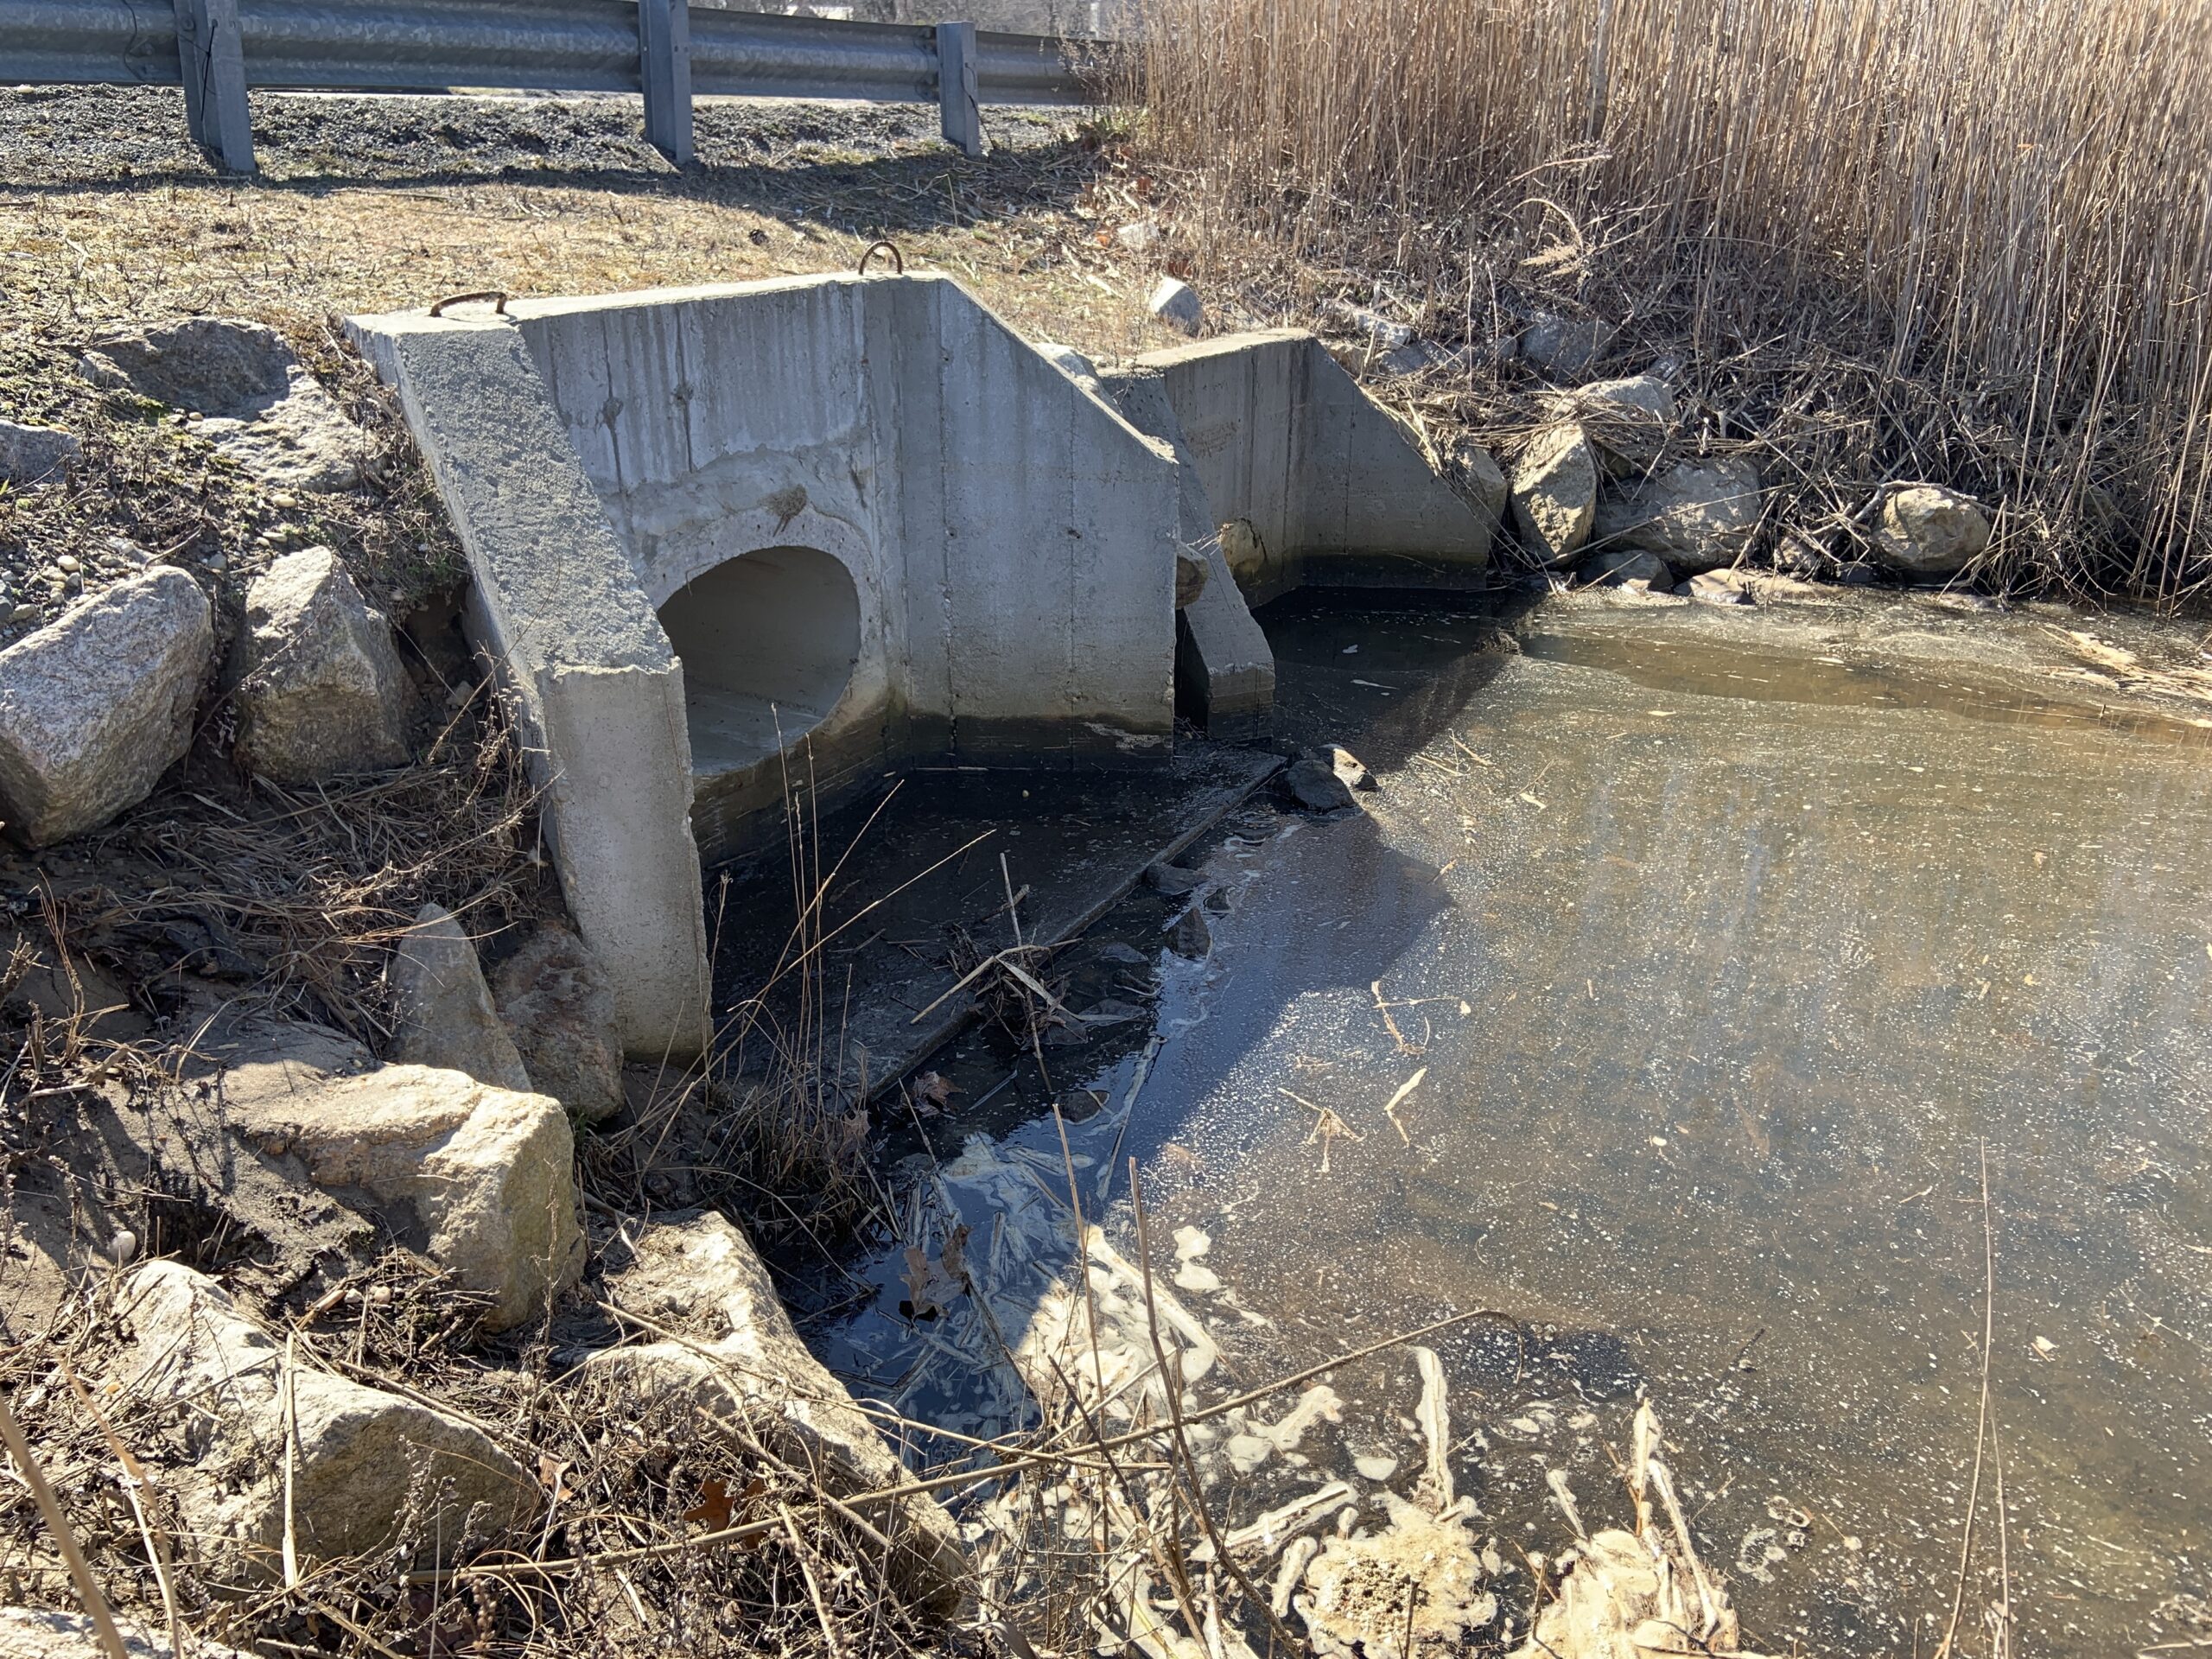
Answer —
(1988, 225)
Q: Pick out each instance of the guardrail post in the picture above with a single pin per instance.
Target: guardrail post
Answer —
(214, 59)
(956, 87)
(664, 65)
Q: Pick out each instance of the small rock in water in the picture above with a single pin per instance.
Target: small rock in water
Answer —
(1857, 573)
(1315, 785)
(1175, 302)
(1172, 877)
(1345, 764)
(1624, 565)
(1322, 779)
(1719, 587)
(1189, 934)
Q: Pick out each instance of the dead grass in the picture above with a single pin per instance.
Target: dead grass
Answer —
(1949, 239)
(289, 899)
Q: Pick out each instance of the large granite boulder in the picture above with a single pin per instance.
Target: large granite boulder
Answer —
(97, 704)
(559, 1008)
(1927, 530)
(320, 688)
(1627, 421)
(257, 403)
(363, 1464)
(739, 1359)
(480, 1180)
(1696, 515)
(31, 454)
(442, 1011)
(1555, 493)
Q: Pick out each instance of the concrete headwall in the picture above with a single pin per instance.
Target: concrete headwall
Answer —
(882, 525)
(1009, 539)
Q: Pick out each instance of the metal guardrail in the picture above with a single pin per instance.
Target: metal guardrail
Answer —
(219, 49)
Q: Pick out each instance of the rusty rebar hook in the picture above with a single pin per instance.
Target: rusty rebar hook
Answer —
(497, 296)
(898, 259)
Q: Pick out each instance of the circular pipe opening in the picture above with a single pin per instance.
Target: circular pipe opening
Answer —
(768, 642)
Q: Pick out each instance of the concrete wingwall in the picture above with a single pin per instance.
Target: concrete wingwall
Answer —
(598, 693)
(1280, 437)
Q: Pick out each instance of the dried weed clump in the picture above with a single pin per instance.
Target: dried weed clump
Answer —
(1956, 241)
(610, 1562)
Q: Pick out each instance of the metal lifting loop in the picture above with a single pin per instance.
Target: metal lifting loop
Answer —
(497, 294)
(898, 259)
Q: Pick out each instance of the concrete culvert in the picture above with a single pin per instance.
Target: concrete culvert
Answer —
(768, 642)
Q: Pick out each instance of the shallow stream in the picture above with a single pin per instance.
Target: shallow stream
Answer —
(1731, 947)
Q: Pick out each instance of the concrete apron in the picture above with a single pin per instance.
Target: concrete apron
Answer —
(843, 525)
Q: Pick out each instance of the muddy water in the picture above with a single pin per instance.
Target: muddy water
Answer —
(1735, 948)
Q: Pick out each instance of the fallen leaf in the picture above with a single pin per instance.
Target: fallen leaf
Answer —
(712, 1510)
(935, 1091)
(919, 1304)
(954, 1257)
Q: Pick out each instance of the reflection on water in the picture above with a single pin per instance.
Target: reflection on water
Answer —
(1726, 964)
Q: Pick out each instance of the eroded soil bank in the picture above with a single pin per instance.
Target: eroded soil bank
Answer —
(1725, 946)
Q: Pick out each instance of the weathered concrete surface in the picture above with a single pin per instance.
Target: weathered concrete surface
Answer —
(740, 1360)
(359, 1459)
(1280, 435)
(599, 694)
(480, 1179)
(1225, 670)
(97, 705)
(873, 515)
(1008, 537)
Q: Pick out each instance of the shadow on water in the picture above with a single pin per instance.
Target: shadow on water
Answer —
(1719, 970)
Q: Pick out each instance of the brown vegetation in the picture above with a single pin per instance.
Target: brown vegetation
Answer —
(1951, 240)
